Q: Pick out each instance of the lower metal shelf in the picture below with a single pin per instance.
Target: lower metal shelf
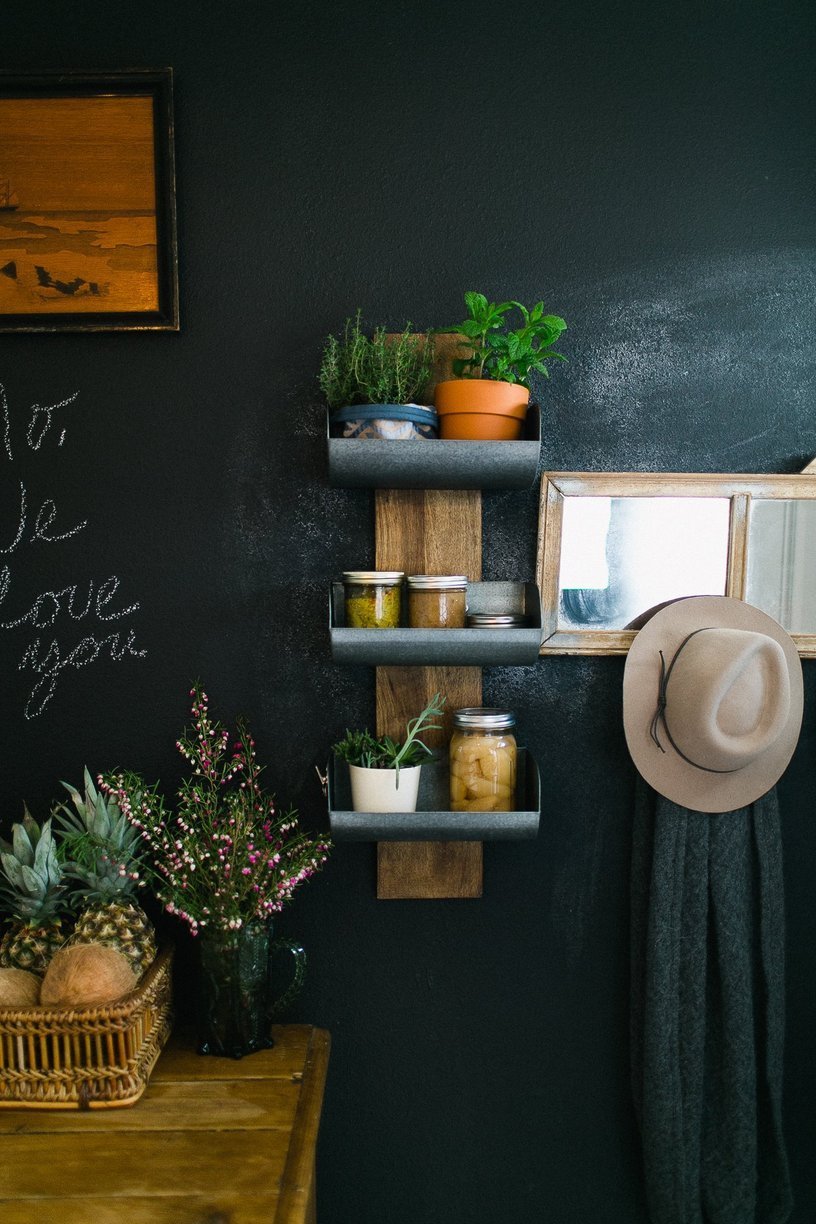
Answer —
(433, 821)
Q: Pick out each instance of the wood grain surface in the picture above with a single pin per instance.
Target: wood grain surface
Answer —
(212, 1141)
(428, 531)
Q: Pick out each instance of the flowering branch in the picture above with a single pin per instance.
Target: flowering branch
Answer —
(225, 856)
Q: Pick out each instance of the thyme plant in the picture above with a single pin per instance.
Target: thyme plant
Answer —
(358, 369)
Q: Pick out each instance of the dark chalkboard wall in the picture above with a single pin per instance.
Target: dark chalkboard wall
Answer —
(647, 169)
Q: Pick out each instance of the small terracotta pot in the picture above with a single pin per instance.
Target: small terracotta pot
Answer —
(481, 409)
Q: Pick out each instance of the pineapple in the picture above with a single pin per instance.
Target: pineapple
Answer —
(104, 850)
(33, 892)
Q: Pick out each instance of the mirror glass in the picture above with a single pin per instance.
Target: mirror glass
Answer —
(621, 556)
(780, 574)
(613, 546)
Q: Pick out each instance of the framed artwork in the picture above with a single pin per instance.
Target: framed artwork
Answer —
(87, 202)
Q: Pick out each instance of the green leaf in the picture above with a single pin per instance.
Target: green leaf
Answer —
(102, 821)
(90, 789)
(31, 827)
(476, 303)
(77, 799)
(45, 847)
(33, 884)
(12, 868)
(21, 844)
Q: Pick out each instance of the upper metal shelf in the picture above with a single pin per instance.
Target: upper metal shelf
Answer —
(436, 463)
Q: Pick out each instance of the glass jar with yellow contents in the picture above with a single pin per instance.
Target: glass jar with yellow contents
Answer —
(373, 598)
(483, 761)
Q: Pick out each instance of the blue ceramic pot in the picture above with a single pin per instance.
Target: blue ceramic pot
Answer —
(396, 422)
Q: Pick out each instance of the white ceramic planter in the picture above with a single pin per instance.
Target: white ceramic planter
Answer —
(375, 790)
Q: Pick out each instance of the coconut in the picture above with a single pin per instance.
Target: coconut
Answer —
(85, 974)
(19, 988)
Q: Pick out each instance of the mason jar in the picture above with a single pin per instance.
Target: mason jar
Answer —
(483, 761)
(496, 620)
(373, 598)
(437, 601)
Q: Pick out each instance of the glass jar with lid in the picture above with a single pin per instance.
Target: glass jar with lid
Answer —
(497, 620)
(373, 598)
(483, 761)
(437, 601)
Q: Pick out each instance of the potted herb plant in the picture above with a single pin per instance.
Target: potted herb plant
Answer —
(384, 773)
(488, 397)
(372, 383)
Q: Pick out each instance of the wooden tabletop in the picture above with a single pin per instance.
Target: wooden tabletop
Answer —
(212, 1141)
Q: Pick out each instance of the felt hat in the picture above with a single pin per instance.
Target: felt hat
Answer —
(712, 702)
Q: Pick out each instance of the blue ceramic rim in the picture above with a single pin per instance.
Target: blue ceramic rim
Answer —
(387, 412)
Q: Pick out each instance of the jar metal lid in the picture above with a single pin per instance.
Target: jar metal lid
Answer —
(377, 577)
(437, 582)
(483, 718)
(491, 620)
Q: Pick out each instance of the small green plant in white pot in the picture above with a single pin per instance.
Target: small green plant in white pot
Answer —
(385, 773)
(374, 384)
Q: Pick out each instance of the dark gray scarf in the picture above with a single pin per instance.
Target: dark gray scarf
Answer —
(708, 1011)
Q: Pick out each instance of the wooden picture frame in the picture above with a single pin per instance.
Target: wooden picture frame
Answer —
(743, 492)
(87, 202)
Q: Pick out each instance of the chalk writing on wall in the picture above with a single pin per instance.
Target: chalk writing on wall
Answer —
(94, 602)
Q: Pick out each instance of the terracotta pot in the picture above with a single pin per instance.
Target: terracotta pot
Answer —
(481, 409)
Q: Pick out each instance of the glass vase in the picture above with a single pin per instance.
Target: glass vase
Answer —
(236, 995)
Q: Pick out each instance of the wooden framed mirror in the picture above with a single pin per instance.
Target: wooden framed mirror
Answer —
(614, 545)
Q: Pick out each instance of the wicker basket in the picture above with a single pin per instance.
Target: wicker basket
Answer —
(84, 1058)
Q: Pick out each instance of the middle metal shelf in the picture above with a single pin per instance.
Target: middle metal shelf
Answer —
(453, 647)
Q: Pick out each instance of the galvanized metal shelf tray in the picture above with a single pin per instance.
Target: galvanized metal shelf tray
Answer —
(436, 463)
(453, 647)
(433, 821)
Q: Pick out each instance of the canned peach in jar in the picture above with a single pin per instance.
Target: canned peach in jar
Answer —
(483, 760)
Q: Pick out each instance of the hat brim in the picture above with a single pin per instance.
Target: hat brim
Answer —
(667, 772)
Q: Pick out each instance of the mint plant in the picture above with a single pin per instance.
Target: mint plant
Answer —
(503, 353)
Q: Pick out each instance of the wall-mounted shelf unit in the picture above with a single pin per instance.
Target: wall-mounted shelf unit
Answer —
(456, 647)
(433, 821)
(437, 463)
(428, 520)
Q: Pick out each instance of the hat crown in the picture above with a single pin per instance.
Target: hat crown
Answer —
(727, 698)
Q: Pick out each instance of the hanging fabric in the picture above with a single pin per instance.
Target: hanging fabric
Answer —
(707, 1011)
